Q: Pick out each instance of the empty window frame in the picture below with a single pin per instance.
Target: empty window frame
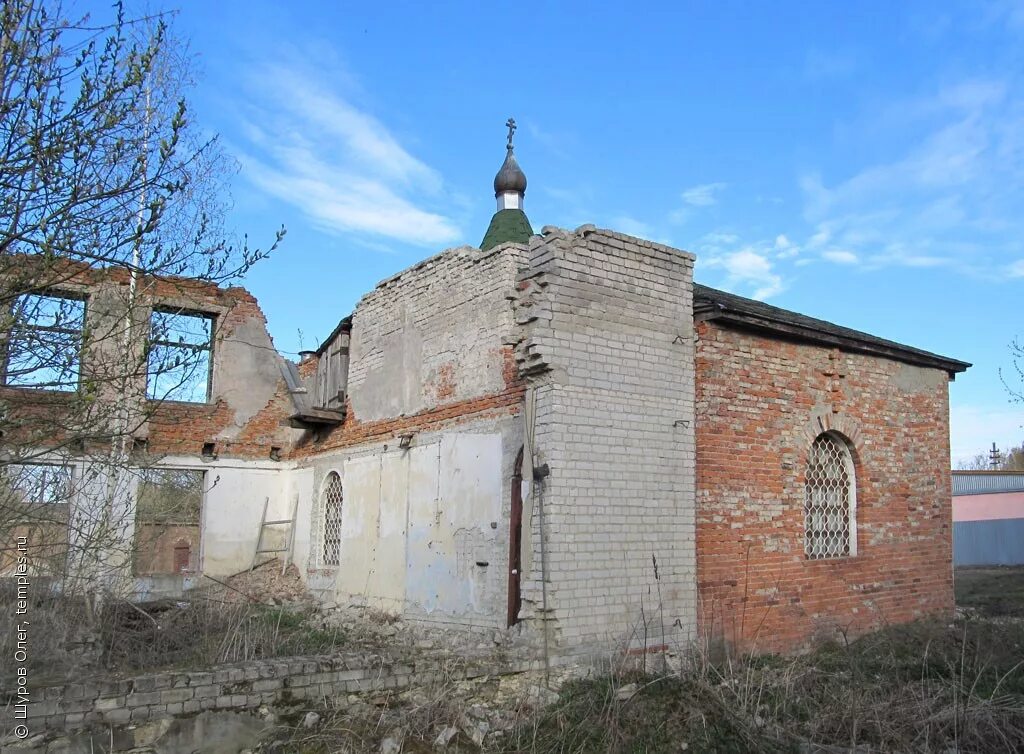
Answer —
(332, 499)
(830, 500)
(37, 483)
(44, 344)
(170, 496)
(168, 513)
(180, 356)
(35, 505)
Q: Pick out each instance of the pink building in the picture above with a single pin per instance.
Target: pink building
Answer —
(988, 518)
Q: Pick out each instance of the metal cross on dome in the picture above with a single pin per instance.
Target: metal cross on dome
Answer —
(511, 123)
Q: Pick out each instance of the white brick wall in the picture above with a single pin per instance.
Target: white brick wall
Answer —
(608, 347)
(433, 334)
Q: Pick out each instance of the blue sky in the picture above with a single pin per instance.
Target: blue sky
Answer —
(859, 162)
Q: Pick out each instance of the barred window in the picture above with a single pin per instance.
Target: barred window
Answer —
(830, 494)
(332, 499)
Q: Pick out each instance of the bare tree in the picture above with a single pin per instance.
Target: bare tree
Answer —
(1007, 459)
(1016, 390)
(110, 198)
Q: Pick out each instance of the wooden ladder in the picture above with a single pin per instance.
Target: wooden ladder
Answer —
(289, 547)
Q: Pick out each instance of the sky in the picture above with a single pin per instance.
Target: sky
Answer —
(858, 162)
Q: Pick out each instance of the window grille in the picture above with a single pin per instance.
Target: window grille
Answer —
(332, 499)
(829, 500)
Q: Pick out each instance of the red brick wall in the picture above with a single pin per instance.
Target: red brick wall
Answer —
(760, 402)
(183, 428)
(39, 417)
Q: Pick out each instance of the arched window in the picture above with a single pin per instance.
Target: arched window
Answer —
(830, 500)
(332, 499)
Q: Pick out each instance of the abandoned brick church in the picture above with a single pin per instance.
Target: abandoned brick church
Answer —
(563, 434)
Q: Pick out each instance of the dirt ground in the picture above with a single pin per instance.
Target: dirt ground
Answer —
(992, 591)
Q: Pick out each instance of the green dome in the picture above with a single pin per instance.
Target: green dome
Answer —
(507, 225)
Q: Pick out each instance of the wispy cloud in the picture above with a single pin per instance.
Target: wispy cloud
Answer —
(840, 257)
(749, 269)
(1009, 12)
(703, 195)
(829, 64)
(337, 163)
(558, 143)
(575, 203)
(952, 200)
(633, 227)
(695, 199)
(785, 249)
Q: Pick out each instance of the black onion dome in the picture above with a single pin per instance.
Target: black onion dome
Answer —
(510, 177)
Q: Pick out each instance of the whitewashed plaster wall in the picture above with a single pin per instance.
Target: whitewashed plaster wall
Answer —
(234, 493)
(425, 530)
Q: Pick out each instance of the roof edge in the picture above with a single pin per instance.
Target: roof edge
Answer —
(344, 324)
(712, 304)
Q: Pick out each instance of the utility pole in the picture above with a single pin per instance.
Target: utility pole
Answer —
(996, 458)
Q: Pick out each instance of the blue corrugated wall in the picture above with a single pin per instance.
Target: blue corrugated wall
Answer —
(999, 542)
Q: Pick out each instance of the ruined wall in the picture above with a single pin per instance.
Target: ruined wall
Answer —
(236, 687)
(247, 401)
(760, 404)
(234, 493)
(244, 419)
(425, 528)
(245, 415)
(608, 354)
(432, 335)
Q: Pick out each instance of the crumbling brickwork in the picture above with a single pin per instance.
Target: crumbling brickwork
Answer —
(761, 401)
(425, 530)
(608, 352)
(430, 347)
(248, 407)
(432, 335)
(246, 369)
(658, 471)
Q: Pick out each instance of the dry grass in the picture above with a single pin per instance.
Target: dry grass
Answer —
(412, 718)
(925, 687)
(69, 641)
(62, 643)
(919, 688)
(994, 591)
(206, 631)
